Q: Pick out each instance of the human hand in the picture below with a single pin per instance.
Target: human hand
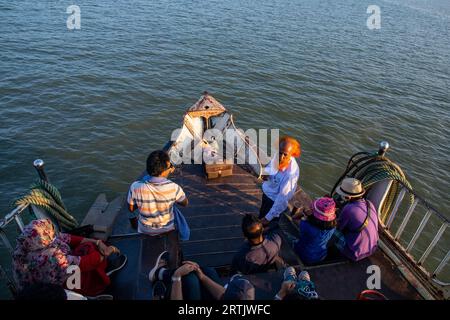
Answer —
(184, 270)
(195, 264)
(286, 288)
(107, 250)
(197, 269)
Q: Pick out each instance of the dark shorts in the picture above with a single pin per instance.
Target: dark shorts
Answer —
(266, 205)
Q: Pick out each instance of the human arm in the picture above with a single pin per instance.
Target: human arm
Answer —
(214, 288)
(287, 190)
(131, 204)
(102, 247)
(343, 219)
(180, 197)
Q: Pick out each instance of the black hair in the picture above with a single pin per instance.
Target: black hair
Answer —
(248, 222)
(157, 163)
(322, 225)
(42, 291)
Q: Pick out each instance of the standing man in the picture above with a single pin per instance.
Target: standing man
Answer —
(283, 173)
(154, 196)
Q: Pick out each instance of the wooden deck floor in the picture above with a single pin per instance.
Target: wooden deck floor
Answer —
(214, 215)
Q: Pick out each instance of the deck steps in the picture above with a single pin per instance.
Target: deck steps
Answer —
(231, 244)
(215, 212)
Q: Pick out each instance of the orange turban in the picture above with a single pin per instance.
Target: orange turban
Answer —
(296, 152)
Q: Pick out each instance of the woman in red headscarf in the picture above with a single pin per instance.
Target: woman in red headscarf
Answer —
(42, 256)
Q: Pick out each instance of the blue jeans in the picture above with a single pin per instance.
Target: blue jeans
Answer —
(340, 240)
(193, 288)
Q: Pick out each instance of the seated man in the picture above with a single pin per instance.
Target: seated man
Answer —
(357, 224)
(283, 174)
(259, 252)
(192, 282)
(154, 196)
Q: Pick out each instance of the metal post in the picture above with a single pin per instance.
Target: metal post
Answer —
(19, 222)
(433, 243)
(396, 206)
(406, 219)
(6, 241)
(38, 164)
(384, 146)
(419, 230)
(442, 264)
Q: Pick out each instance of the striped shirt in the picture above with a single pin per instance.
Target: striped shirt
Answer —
(153, 199)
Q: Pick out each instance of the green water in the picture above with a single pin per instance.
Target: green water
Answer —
(94, 102)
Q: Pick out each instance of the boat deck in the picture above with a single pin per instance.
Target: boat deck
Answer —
(214, 215)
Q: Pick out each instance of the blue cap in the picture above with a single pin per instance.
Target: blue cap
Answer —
(239, 288)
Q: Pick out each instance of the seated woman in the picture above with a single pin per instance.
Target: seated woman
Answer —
(316, 230)
(41, 256)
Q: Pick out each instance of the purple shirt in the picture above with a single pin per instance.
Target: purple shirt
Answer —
(359, 244)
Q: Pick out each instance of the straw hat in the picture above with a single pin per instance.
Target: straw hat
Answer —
(324, 209)
(350, 188)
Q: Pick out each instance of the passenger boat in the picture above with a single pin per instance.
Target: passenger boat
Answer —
(217, 206)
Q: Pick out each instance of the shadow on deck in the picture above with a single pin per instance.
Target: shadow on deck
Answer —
(214, 216)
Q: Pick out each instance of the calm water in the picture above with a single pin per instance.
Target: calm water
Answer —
(93, 102)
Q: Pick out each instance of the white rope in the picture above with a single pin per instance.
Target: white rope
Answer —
(245, 141)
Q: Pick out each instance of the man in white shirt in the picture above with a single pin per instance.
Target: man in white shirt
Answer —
(283, 173)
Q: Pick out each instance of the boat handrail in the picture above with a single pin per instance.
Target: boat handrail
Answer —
(398, 235)
(13, 216)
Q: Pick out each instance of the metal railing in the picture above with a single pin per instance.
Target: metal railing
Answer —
(398, 235)
(13, 216)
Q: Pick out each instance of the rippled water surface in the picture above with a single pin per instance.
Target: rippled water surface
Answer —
(93, 102)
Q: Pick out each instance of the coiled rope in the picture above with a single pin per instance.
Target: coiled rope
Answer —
(46, 196)
(372, 168)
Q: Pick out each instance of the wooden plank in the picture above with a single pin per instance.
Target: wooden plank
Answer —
(97, 208)
(104, 223)
(213, 199)
(211, 246)
(201, 222)
(218, 259)
(221, 208)
(221, 232)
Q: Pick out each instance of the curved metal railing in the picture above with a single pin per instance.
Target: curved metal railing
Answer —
(397, 234)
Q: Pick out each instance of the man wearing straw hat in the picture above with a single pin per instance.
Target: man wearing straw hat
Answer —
(357, 227)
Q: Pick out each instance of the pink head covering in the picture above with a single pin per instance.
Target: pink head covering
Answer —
(324, 209)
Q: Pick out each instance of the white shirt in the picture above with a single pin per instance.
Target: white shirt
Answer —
(280, 186)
